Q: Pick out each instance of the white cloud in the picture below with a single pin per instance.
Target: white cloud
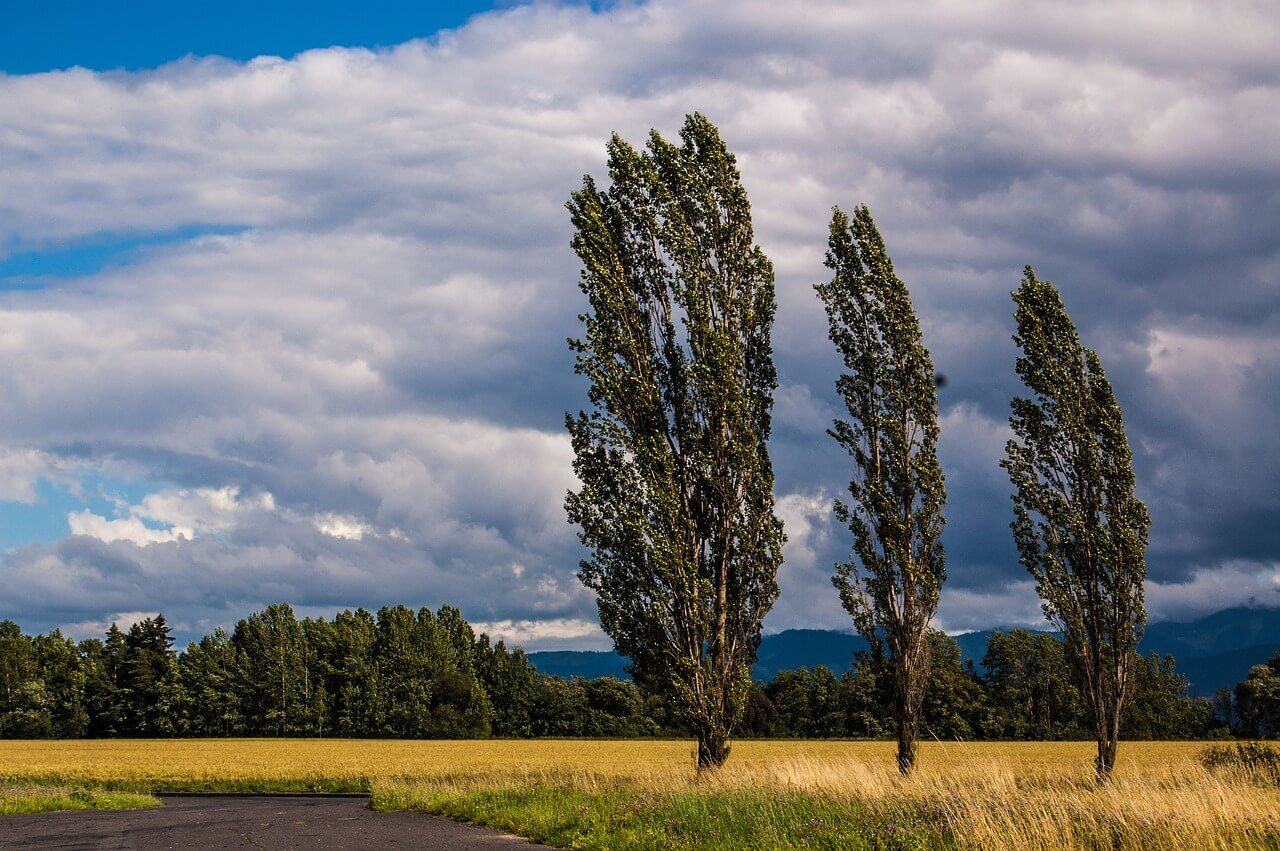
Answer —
(339, 526)
(1016, 604)
(130, 529)
(175, 515)
(559, 633)
(1238, 583)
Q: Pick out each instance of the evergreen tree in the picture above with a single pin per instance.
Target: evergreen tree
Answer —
(955, 704)
(426, 687)
(1080, 529)
(147, 679)
(511, 682)
(317, 641)
(100, 697)
(676, 503)
(891, 585)
(1161, 709)
(866, 693)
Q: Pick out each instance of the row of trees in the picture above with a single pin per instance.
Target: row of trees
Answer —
(676, 501)
(398, 673)
(401, 673)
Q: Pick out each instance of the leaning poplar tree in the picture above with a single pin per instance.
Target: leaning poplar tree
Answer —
(892, 583)
(676, 503)
(1080, 529)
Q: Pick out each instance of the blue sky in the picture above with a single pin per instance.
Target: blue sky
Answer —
(293, 328)
(43, 35)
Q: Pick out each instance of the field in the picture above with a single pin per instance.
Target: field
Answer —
(640, 794)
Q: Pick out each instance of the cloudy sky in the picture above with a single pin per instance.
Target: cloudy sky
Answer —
(292, 327)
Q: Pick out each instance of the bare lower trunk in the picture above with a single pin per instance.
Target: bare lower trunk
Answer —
(911, 676)
(1107, 727)
(1106, 760)
(713, 747)
(906, 745)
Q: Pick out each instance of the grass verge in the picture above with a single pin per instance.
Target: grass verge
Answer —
(625, 816)
(806, 804)
(21, 800)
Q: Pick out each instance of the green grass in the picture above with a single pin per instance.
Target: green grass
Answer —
(630, 817)
(21, 800)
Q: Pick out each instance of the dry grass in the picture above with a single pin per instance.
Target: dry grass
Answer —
(619, 794)
(156, 762)
(1005, 803)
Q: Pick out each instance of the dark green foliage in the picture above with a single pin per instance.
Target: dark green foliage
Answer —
(210, 675)
(1160, 708)
(147, 684)
(676, 504)
(268, 653)
(1080, 529)
(1257, 700)
(405, 673)
(892, 583)
(427, 687)
(512, 686)
(1032, 688)
(24, 703)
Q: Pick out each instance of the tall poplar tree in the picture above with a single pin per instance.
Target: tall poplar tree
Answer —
(1080, 529)
(891, 585)
(676, 503)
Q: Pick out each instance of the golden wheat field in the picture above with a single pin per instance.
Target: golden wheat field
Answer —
(640, 794)
(178, 761)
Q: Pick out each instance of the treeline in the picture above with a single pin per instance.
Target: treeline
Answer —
(406, 674)
(397, 673)
(1026, 690)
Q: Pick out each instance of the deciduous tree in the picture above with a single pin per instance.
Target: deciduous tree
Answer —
(676, 503)
(1080, 529)
(891, 584)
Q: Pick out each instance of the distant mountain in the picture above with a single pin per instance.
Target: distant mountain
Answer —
(1213, 651)
(1229, 629)
(805, 648)
(589, 664)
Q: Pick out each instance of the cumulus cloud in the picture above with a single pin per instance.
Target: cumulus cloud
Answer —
(170, 515)
(357, 287)
(557, 633)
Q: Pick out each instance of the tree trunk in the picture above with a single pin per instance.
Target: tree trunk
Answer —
(713, 746)
(906, 744)
(911, 669)
(1108, 742)
(1106, 760)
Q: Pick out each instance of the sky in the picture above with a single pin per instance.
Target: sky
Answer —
(284, 291)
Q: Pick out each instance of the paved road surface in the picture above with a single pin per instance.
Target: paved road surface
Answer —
(217, 823)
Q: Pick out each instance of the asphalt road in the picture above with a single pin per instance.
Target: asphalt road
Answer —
(218, 822)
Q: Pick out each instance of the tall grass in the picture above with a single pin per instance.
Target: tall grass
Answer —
(776, 794)
(818, 803)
